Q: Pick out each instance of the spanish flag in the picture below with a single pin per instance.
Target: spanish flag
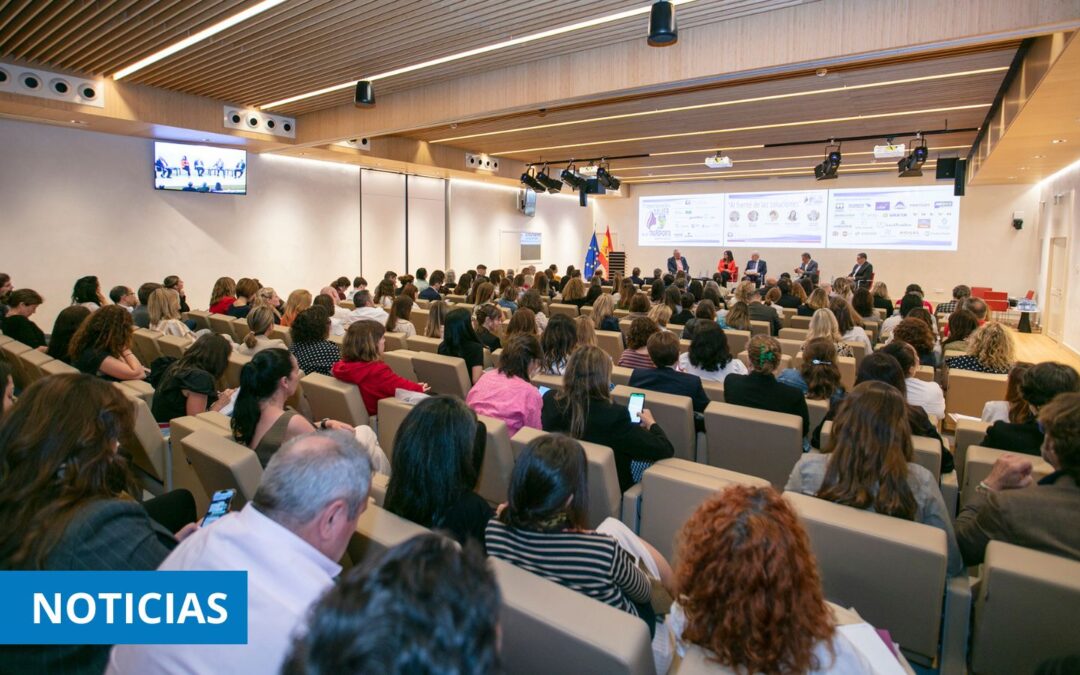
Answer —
(605, 248)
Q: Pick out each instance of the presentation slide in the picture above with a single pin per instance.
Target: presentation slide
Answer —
(681, 220)
(776, 219)
(924, 218)
(530, 246)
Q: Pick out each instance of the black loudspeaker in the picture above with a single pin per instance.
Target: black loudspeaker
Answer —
(960, 180)
(946, 167)
(365, 94)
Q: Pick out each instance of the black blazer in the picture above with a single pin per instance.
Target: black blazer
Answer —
(762, 391)
(1023, 438)
(789, 301)
(862, 276)
(609, 424)
(805, 310)
(761, 312)
(670, 381)
(682, 317)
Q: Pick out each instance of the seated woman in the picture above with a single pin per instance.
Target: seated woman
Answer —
(881, 298)
(298, 301)
(823, 326)
(636, 354)
(1014, 408)
(749, 593)
(361, 364)
(268, 297)
(991, 351)
(727, 268)
(557, 342)
(916, 333)
(522, 323)
(841, 288)
(22, 304)
(190, 385)
(759, 389)
(737, 318)
(325, 302)
(488, 319)
(962, 324)
(543, 529)
(311, 344)
(384, 294)
(223, 296)
(818, 299)
(584, 410)
(660, 315)
(818, 378)
(87, 292)
(260, 420)
(863, 303)
(627, 290)
(531, 301)
(67, 500)
(704, 314)
(603, 315)
(437, 312)
(507, 393)
(920, 393)
(164, 309)
(868, 465)
(1040, 384)
(460, 340)
(438, 452)
(849, 324)
(709, 356)
(574, 293)
(260, 321)
(175, 283)
(400, 313)
(102, 346)
(586, 333)
(663, 350)
(639, 306)
(508, 298)
(906, 304)
(246, 290)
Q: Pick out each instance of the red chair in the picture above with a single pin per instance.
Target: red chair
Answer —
(1030, 295)
(980, 291)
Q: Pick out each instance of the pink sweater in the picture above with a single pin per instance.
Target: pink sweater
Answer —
(510, 399)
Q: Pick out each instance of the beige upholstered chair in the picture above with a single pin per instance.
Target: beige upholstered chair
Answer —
(968, 391)
(147, 447)
(567, 310)
(794, 334)
(419, 343)
(738, 340)
(221, 324)
(755, 442)
(173, 346)
(419, 318)
(494, 479)
(674, 414)
(621, 375)
(237, 362)
(32, 361)
(392, 414)
(395, 341)
(760, 328)
(334, 399)
(611, 342)
(144, 345)
(200, 317)
(222, 464)
(184, 475)
(978, 461)
(400, 361)
(377, 531)
(800, 322)
(968, 433)
(281, 333)
(55, 367)
(444, 374)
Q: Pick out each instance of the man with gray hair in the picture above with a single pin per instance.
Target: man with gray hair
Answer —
(366, 310)
(288, 539)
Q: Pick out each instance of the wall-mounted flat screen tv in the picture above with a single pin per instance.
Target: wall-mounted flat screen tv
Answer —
(200, 168)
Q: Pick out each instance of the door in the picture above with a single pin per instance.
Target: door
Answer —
(1055, 302)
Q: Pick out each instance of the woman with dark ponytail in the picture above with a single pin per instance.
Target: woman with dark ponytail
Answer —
(260, 420)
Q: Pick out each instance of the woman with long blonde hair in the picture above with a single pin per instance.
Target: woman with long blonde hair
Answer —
(737, 318)
(298, 301)
(823, 325)
(603, 314)
(163, 307)
(268, 297)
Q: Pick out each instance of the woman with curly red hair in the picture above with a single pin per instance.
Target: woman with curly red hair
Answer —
(749, 591)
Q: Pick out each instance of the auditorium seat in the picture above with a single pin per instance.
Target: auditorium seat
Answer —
(494, 479)
(455, 299)
(496, 357)
(788, 313)
(668, 494)
(400, 361)
(147, 447)
(444, 374)
(760, 328)
(281, 333)
(817, 409)
(347, 304)
(11, 350)
(173, 346)
(221, 464)
(622, 313)
(968, 433)
(56, 367)
(605, 498)
(419, 343)
(925, 373)
(1027, 609)
(713, 389)
(395, 341)
(331, 398)
(847, 367)
(893, 571)
(790, 348)
(546, 380)
(621, 375)
(142, 389)
(978, 461)
(684, 345)
(391, 413)
(144, 345)
(564, 309)
(419, 318)
(611, 342)
(624, 326)
(377, 531)
(858, 350)
(32, 360)
(756, 442)
(586, 310)
(239, 329)
(488, 361)
(232, 371)
(221, 324)
(967, 391)
(216, 418)
(738, 340)
(184, 475)
(793, 334)
(800, 323)
(674, 414)
(201, 318)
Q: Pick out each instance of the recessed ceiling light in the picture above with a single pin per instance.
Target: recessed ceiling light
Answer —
(197, 37)
(822, 72)
(1058, 140)
(79, 122)
(1038, 156)
(1023, 168)
(1011, 177)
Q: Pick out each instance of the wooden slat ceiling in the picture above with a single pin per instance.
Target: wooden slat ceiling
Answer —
(974, 89)
(305, 45)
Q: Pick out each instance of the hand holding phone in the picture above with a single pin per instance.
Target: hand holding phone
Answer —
(219, 506)
(637, 404)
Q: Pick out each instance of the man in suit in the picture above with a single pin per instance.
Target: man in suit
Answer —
(808, 268)
(677, 263)
(1042, 516)
(759, 311)
(863, 272)
(756, 269)
(663, 349)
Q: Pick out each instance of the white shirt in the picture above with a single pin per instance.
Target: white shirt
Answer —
(858, 335)
(366, 314)
(174, 327)
(927, 395)
(734, 366)
(285, 576)
(995, 410)
(405, 327)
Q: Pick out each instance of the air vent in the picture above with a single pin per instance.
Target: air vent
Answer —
(53, 86)
(259, 122)
(481, 162)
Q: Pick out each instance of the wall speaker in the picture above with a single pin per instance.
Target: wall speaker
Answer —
(365, 94)
(946, 167)
(54, 86)
(259, 122)
(960, 180)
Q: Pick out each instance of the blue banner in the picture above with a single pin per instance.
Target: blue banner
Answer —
(53, 608)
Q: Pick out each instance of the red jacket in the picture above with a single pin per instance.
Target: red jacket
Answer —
(375, 379)
(222, 305)
(732, 268)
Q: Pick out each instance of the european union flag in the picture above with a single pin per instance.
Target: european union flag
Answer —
(592, 256)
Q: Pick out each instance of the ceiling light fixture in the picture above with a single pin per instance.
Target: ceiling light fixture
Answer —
(606, 179)
(756, 127)
(799, 172)
(718, 104)
(571, 177)
(662, 30)
(553, 185)
(524, 39)
(1056, 141)
(239, 17)
(911, 166)
(762, 159)
(827, 169)
(528, 179)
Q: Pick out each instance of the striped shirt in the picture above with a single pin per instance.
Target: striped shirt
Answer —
(586, 562)
(634, 359)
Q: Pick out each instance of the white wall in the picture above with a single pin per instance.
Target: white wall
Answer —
(1062, 219)
(990, 252)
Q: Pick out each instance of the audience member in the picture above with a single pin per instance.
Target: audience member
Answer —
(460, 340)
(921, 393)
(907, 303)
(102, 346)
(189, 386)
(260, 322)
(557, 343)
(358, 284)
(584, 410)
(400, 315)
(823, 326)
(17, 324)
(849, 324)
(506, 393)
(164, 308)
(311, 346)
(868, 465)
(384, 294)
(87, 292)
(990, 351)
(603, 315)
(141, 314)
(125, 297)
(759, 311)
(246, 291)
(488, 320)
(1014, 408)
(709, 356)
(221, 298)
(818, 299)
(67, 322)
(361, 364)
(660, 315)
(1041, 384)
(960, 293)
(268, 297)
(818, 378)
(916, 289)
(432, 291)
(962, 324)
(863, 303)
(639, 306)
(365, 310)
(663, 348)
(916, 333)
(175, 283)
(522, 323)
(437, 312)
(759, 389)
(737, 318)
(341, 285)
(438, 452)
(298, 301)
(1040, 516)
(586, 333)
(881, 298)
(636, 354)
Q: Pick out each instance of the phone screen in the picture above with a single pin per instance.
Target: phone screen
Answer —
(219, 506)
(637, 404)
(544, 390)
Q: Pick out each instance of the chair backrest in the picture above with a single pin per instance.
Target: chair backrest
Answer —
(494, 479)
(926, 452)
(200, 317)
(968, 433)
(545, 380)
(621, 375)
(400, 361)
(978, 462)
(817, 409)
(332, 398)
(968, 391)
(32, 361)
(674, 414)
(419, 343)
(237, 361)
(282, 333)
(892, 570)
(611, 341)
(221, 464)
(756, 442)
(848, 369)
(11, 350)
(624, 326)
(925, 373)
(391, 414)
(799, 322)
(144, 344)
(713, 389)
(377, 531)
(146, 444)
(221, 324)
(586, 310)
(444, 374)
(56, 367)
(184, 475)
(794, 334)
(684, 345)
(239, 328)
(549, 628)
(787, 313)
(790, 347)
(173, 346)
(1026, 611)
(142, 389)
(559, 308)
(496, 357)
(395, 341)
(737, 340)
(419, 319)
(671, 490)
(605, 497)
(859, 351)
(760, 328)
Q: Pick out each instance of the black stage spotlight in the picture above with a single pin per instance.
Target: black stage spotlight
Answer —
(662, 30)
(528, 179)
(912, 164)
(365, 94)
(553, 185)
(571, 178)
(827, 169)
(606, 179)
